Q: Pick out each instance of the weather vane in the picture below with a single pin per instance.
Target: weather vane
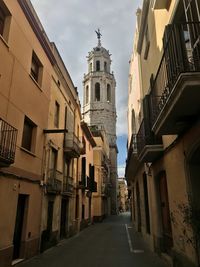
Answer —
(98, 37)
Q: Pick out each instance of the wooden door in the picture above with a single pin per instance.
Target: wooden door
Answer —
(165, 213)
(19, 222)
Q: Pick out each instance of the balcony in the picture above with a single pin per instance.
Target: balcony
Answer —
(149, 147)
(105, 190)
(175, 91)
(161, 4)
(8, 138)
(72, 146)
(98, 74)
(54, 182)
(68, 185)
(132, 162)
(82, 182)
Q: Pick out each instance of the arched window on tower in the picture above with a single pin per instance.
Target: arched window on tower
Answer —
(133, 125)
(108, 93)
(86, 94)
(90, 67)
(97, 91)
(105, 66)
(97, 65)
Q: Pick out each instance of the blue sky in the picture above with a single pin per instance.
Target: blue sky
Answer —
(71, 25)
(121, 143)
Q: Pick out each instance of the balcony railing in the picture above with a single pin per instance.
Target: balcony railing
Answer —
(8, 138)
(54, 182)
(68, 185)
(132, 162)
(72, 145)
(133, 146)
(149, 146)
(82, 182)
(105, 189)
(175, 90)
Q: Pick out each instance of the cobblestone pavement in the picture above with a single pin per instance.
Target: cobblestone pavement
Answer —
(112, 243)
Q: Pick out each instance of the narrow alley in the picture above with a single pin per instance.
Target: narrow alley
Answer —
(112, 243)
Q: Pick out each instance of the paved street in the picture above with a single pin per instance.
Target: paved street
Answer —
(109, 244)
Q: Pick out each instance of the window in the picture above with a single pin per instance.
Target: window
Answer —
(105, 66)
(53, 162)
(28, 134)
(147, 43)
(87, 94)
(2, 20)
(97, 65)
(133, 124)
(5, 18)
(97, 92)
(36, 68)
(56, 115)
(108, 93)
(90, 67)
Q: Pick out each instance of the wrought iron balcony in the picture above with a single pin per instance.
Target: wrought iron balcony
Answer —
(68, 185)
(8, 138)
(175, 92)
(82, 182)
(149, 146)
(105, 190)
(132, 162)
(54, 182)
(72, 145)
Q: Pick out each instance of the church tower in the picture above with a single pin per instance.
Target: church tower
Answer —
(99, 105)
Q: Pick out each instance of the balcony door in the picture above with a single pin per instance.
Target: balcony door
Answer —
(53, 162)
(165, 213)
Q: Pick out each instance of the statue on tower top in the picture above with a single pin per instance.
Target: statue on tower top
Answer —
(99, 36)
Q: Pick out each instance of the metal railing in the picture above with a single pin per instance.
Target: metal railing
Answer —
(68, 185)
(8, 139)
(72, 142)
(82, 181)
(181, 55)
(146, 137)
(54, 181)
(132, 147)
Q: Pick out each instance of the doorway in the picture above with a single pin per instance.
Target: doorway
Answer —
(138, 207)
(194, 185)
(165, 213)
(19, 225)
(146, 203)
(64, 218)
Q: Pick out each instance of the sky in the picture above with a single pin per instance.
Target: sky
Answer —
(71, 25)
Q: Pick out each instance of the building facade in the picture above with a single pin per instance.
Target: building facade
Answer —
(162, 164)
(102, 197)
(40, 138)
(123, 201)
(99, 105)
(25, 82)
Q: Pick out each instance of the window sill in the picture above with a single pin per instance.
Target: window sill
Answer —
(36, 83)
(27, 151)
(4, 41)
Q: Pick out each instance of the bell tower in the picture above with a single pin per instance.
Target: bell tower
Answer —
(99, 103)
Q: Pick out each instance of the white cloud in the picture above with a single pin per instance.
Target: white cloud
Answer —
(71, 25)
(121, 170)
